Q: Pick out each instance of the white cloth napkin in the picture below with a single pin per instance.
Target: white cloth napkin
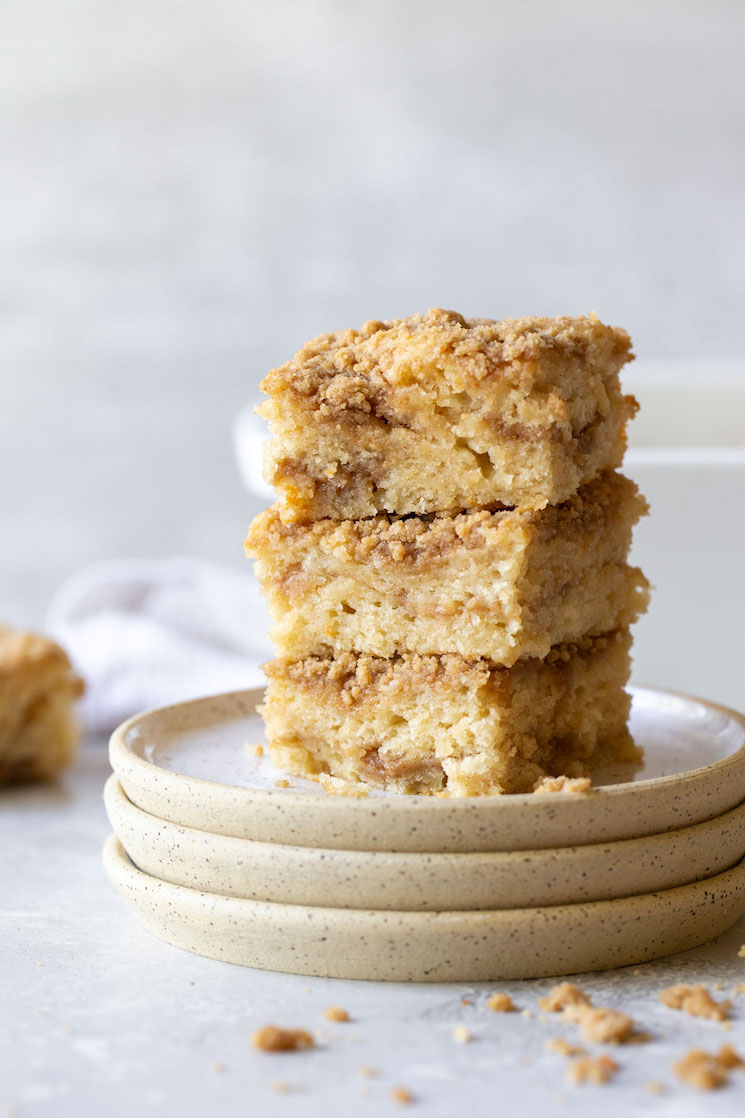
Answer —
(143, 633)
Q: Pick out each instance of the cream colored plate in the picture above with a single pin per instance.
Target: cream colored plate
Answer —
(430, 946)
(302, 875)
(191, 764)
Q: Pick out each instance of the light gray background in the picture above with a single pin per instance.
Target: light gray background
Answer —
(188, 190)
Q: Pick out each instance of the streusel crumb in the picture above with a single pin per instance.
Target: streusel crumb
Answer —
(272, 1038)
(562, 1047)
(592, 1069)
(696, 1001)
(706, 1071)
(561, 996)
(600, 1026)
(580, 785)
(336, 1013)
(402, 1096)
(501, 1003)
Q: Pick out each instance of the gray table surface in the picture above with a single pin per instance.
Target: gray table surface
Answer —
(97, 1016)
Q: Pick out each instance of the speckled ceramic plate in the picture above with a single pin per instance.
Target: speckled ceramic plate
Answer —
(192, 764)
(430, 946)
(303, 875)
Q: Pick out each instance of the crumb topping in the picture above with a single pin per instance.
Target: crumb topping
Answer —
(579, 785)
(272, 1038)
(705, 1071)
(600, 1025)
(402, 1096)
(397, 539)
(696, 1001)
(561, 996)
(501, 1003)
(336, 1013)
(592, 1069)
(355, 370)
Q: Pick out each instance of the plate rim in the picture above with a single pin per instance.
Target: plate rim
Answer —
(118, 749)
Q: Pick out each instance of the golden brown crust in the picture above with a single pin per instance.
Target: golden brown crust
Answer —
(354, 371)
(419, 538)
(38, 689)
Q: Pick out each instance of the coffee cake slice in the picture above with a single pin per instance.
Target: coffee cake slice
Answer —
(38, 689)
(446, 725)
(438, 412)
(498, 585)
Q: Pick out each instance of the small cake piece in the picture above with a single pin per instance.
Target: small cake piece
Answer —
(38, 689)
(498, 585)
(437, 412)
(434, 724)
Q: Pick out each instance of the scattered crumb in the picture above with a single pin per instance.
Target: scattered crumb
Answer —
(741, 952)
(740, 989)
(402, 1096)
(217, 1067)
(600, 1026)
(466, 1001)
(257, 750)
(707, 1072)
(526, 1014)
(271, 1038)
(561, 996)
(38, 964)
(281, 783)
(696, 1001)
(637, 971)
(501, 1003)
(368, 1072)
(729, 1058)
(655, 1087)
(335, 1013)
(717, 986)
(282, 1087)
(462, 1034)
(580, 785)
(592, 1069)
(338, 787)
(562, 1047)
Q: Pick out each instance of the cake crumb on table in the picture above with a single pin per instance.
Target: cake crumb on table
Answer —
(501, 1003)
(272, 1038)
(462, 1034)
(696, 1001)
(562, 1047)
(402, 1096)
(257, 750)
(579, 785)
(217, 1067)
(705, 1071)
(336, 1013)
(282, 783)
(655, 1087)
(600, 1026)
(741, 952)
(367, 1072)
(561, 996)
(592, 1069)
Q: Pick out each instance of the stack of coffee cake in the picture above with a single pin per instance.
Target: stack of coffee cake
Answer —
(446, 566)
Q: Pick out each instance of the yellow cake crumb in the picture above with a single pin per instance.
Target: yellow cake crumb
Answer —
(562, 1047)
(281, 783)
(561, 996)
(367, 1072)
(600, 1026)
(741, 952)
(272, 1038)
(592, 1069)
(257, 750)
(696, 1001)
(579, 785)
(461, 1034)
(335, 1013)
(335, 786)
(402, 1096)
(705, 1071)
(501, 1003)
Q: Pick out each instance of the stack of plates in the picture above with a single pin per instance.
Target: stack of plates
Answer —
(219, 860)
